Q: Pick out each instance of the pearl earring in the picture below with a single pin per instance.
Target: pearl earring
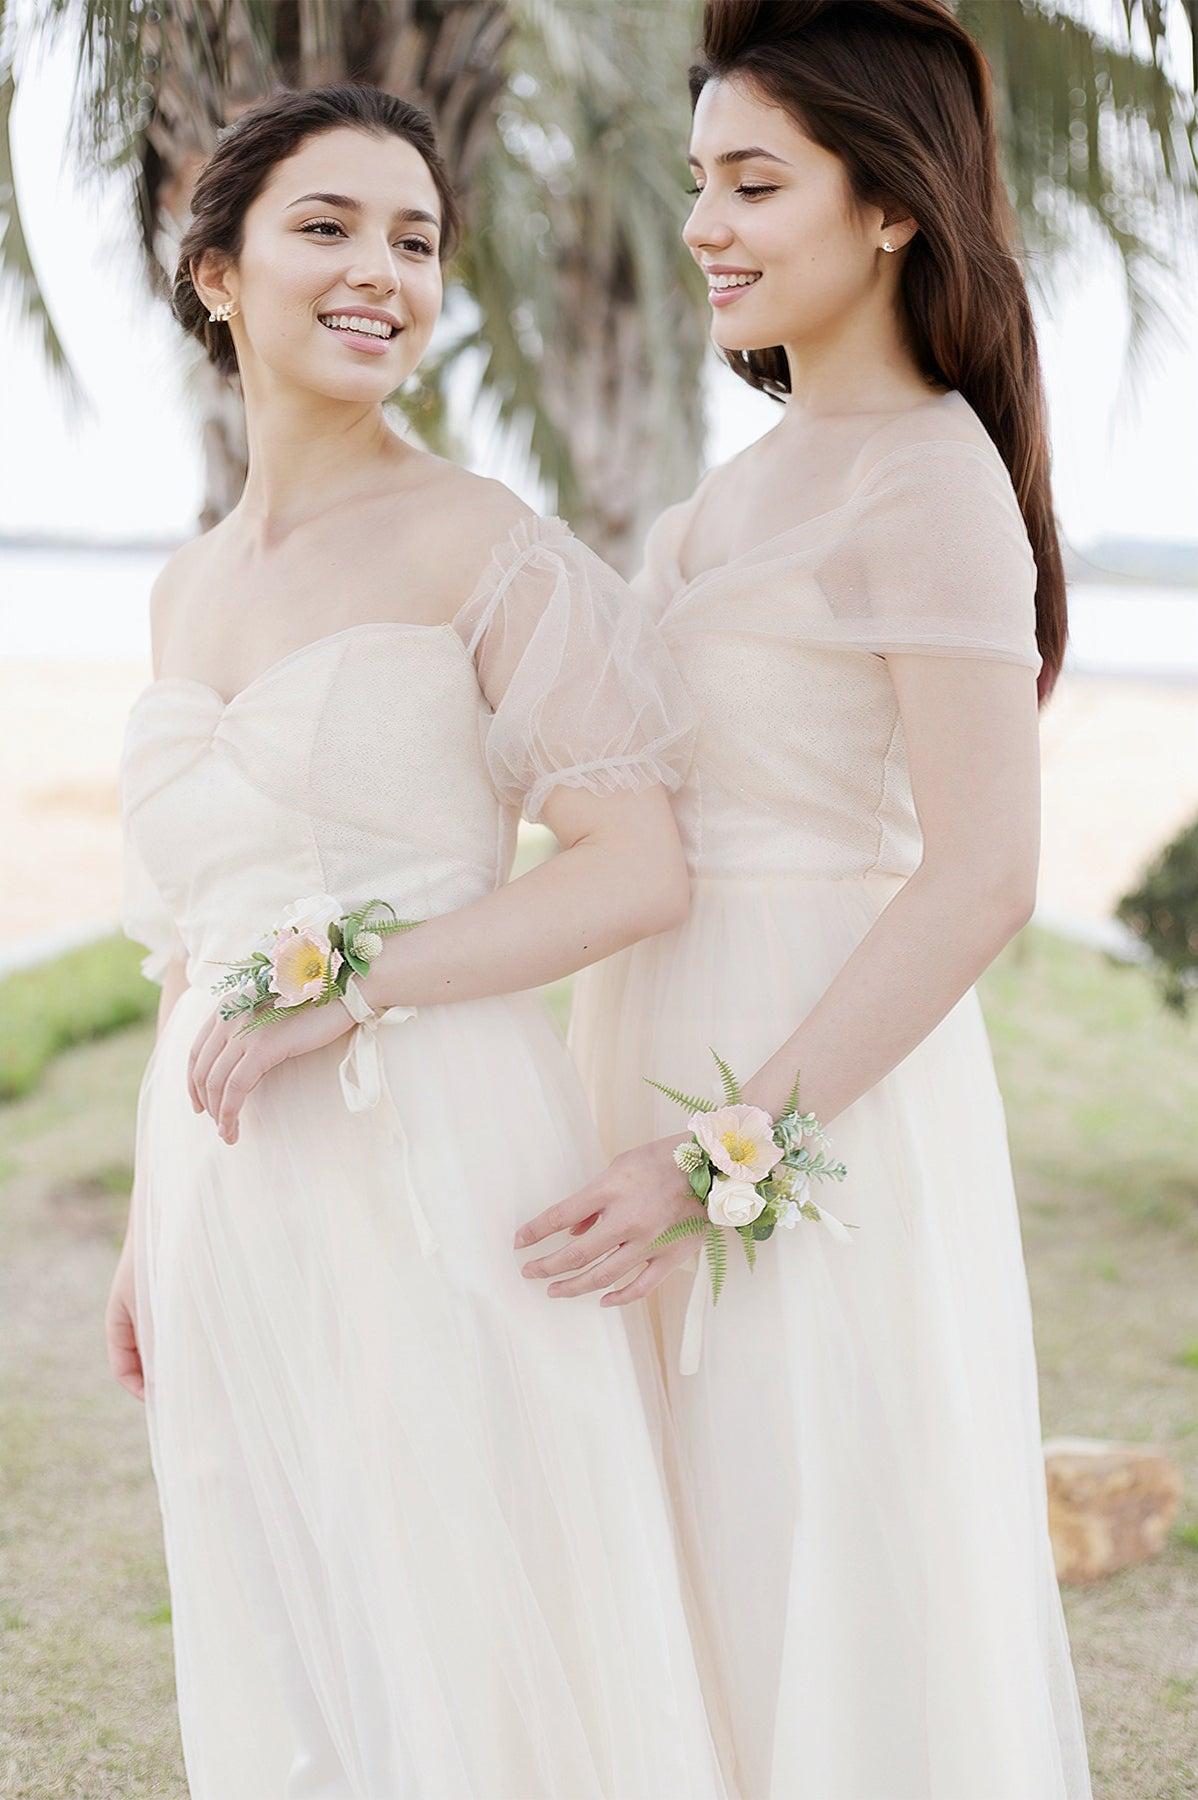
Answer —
(221, 314)
(888, 246)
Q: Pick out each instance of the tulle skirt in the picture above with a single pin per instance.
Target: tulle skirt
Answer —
(415, 1531)
(856, 1466)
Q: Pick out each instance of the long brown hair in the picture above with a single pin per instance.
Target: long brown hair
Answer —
(902, 95)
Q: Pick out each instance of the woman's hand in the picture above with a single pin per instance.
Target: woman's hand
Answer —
(615, 1218)
(226, 1063)
(120, 1328)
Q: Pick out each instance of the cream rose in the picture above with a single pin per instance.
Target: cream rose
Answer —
(733, 1202)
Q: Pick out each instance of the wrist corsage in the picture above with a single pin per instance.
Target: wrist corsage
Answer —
(307, 959)
(752, 1173)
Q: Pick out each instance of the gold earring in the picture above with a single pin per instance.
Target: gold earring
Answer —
(220, 315)
(888, 246)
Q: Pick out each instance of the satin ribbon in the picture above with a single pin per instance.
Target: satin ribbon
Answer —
(691, 1349)
(364, 1086)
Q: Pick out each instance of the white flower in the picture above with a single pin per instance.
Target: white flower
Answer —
(368, 945)
(733, 1202)
(315, 913)
(791, 1216)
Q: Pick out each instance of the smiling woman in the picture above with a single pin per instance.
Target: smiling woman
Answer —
(416, 1537)
(255, 188)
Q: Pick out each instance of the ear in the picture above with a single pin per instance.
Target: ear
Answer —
(896, 232)
(214, 278)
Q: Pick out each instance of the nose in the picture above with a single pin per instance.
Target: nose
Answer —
(704, 229)
(375, 266)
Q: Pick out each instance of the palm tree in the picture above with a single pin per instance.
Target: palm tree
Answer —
(562, 123)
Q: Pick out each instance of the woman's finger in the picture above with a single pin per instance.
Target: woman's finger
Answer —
(653, 1274)
(207, 1042)
(560, 1217)
(219, 1073)
(621, 1261)
(241, 1081)
(575, 1255)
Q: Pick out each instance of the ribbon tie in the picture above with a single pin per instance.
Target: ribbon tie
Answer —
(364, 1085)
(691, 1349)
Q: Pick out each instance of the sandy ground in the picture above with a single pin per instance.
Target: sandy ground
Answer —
(1120, 777)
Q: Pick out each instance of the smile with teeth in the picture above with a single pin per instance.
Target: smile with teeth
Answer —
(718, 282)
(351, 322)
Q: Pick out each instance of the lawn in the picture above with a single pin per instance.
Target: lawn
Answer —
(1101, 1088)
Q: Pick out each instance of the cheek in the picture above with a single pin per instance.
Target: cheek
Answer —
(424, 290)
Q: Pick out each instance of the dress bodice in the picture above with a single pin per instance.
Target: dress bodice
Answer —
(800, 765)
(391, 760)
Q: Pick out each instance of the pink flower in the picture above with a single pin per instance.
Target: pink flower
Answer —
(739, 1140)
(301, 962)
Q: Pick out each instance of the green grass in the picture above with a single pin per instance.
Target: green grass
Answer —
(1101, 1089)
(84, 994)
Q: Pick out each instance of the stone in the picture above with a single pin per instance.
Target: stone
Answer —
(1109, 1505)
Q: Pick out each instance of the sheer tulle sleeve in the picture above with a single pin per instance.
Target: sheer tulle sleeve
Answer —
(935, 558)
(582, 690)
(144, 914)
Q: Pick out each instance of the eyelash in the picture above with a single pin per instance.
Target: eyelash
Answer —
(750, 192)
(311, 228)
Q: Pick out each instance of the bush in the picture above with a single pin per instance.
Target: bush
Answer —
(81, 994)
(1163, 914)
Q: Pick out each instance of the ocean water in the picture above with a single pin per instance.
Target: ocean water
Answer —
(91, 602)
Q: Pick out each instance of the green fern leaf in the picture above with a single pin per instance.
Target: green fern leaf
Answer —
(271, 1016)
(691, 1226)
(745, 1234)
(687, 1100)
(732, 1093)
(792, 1099)
(717, 1261)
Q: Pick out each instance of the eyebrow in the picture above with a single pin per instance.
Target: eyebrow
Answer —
(739, 156)
(411, 214)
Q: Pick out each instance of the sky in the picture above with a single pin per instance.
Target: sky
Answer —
(1125, 442)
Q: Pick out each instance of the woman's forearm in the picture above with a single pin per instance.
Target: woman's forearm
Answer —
(585, 903)
(920, 956)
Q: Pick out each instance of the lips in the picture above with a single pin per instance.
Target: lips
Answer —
(725, 286)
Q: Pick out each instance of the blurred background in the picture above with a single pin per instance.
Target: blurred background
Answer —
(573, 362)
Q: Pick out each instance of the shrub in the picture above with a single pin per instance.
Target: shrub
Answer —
(1163, 913)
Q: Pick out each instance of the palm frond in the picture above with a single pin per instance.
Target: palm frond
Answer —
(1099, 143)
(17, 272)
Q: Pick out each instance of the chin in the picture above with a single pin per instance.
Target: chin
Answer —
(740, 342)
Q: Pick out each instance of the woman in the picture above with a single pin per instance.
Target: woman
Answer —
(860, 603)
(414, 1527)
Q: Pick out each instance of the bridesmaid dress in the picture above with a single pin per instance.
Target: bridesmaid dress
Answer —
(416, 1536)
(856, 1464)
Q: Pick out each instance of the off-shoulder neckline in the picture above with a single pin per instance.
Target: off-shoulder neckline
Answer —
(682, 583)
(524, 534)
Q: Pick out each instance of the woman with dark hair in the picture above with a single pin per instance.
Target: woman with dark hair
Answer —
(415, 1531)
(863, 604)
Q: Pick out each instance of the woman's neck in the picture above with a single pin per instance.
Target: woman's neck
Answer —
(306, 456)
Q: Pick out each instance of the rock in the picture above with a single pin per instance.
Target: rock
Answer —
(1109, 1505)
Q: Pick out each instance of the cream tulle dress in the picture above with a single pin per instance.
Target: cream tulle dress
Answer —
(416, 1536)
(857, 1461)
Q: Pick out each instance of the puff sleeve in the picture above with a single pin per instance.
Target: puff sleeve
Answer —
(582, 690)
(933, 557)
(145, 917)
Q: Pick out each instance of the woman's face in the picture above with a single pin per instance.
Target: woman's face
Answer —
(338, 284)
(786, 250)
